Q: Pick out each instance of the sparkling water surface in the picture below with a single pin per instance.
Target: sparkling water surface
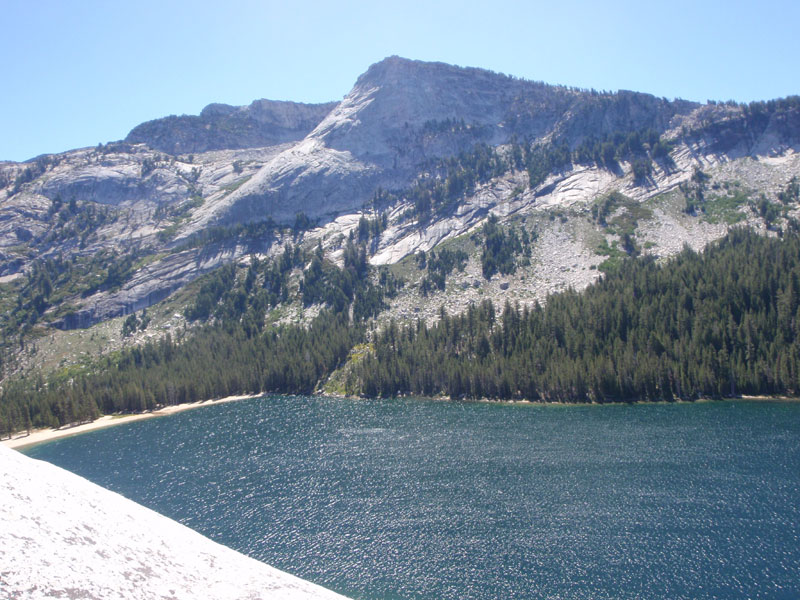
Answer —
(448, 500)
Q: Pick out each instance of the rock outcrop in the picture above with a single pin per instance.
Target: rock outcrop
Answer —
(221, 126)
(64, 537)
(402, 113)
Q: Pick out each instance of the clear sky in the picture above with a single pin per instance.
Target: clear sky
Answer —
(79, 72)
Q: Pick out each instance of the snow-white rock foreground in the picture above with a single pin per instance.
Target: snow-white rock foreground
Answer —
(64, 537)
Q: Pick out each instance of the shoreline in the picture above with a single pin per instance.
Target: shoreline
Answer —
(22, 440)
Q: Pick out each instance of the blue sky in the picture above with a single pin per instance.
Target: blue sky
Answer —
(80, 72)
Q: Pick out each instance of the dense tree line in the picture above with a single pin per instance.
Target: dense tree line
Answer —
(716, 324)
(721, 323)
(215, 361)
(232, 351)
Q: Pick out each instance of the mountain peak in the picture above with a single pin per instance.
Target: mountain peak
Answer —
(394, 69)
(389, 68)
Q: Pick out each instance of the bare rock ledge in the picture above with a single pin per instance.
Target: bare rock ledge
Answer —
(62, 536)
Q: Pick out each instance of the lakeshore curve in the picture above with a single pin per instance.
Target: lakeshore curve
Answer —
(39, 436)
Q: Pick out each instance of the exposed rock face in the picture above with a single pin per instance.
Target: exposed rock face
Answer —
(221, 126)
(271, 160)
(114, 182)
(393, 121)
(64, 537)
(399, 102)
(152, 283)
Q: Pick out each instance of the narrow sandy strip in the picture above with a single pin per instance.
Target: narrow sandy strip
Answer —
(37, 436)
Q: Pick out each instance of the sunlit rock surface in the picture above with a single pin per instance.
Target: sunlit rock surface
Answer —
(64, 537)
(180, 191)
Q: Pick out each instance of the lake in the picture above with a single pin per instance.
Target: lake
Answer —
(422, 499)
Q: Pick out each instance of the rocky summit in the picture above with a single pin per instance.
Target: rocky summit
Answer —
(414, 159)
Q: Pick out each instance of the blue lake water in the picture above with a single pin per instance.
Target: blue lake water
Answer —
(448, 500)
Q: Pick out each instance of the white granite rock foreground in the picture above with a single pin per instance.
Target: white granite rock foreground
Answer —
(62, 536)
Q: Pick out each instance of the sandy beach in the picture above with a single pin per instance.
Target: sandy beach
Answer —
(37, 436)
